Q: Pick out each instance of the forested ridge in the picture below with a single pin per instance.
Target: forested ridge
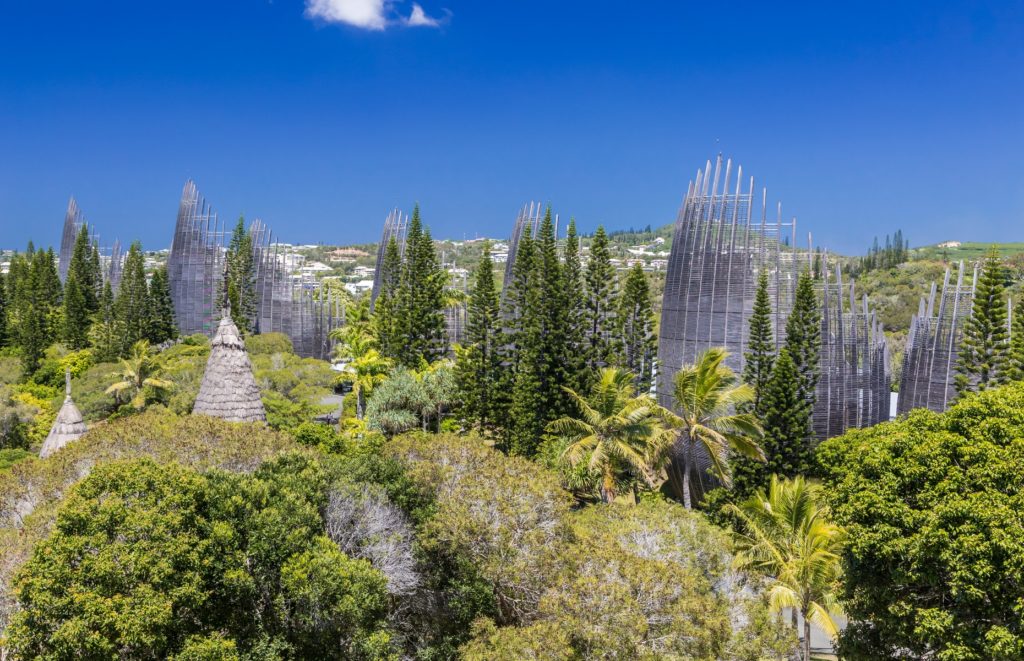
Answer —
(506, 496)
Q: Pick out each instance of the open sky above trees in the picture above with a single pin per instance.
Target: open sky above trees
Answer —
(320, 115)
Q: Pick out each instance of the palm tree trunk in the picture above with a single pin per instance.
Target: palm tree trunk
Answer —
(608, 487)
(360, 406)
(687, 503)
(807, 638)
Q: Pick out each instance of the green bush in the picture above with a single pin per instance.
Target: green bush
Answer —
(158, 561)
(268, 343)
(935, 558)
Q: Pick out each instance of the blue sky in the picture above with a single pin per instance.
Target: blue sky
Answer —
(320, 115)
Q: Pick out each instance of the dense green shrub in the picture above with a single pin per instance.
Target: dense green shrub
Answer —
(147, 560)
(935, 558)
(268, 343)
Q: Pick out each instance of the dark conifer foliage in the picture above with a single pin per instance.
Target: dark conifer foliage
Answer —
(86, 267)
(526, 421)
(803, 337)
(241, 279)
(77, 318)
(132, 303)
(421, 299)
(757, 368)
(603, 345)
(1015, 355)
(36, 297)
(895, 252)
(478, 364)
(981, 363)
(787, 422)
(4, 336)
(386, 309)
(161, 309)
(637, 318)
(575, 313)
(80, 292)
(107, 331)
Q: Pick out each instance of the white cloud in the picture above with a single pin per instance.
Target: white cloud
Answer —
(419, 17)
(367, 14)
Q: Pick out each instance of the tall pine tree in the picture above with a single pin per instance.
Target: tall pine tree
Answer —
(161, 309)
(107, 333)
(526, 420)
(787, 422)
(575, 303)
(602, 344)
(421, 299)
(38, 295)
(132, 303)
(77, 318)
(803, 336)
(760, 355)
(478, 365)
(1015, 355)
(637, 319)
(4, 337)
(981, 363)
(80, 300)
(241, 279)
(386, 309)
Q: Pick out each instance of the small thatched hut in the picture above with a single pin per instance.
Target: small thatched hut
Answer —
(229, 389)
(68, 426)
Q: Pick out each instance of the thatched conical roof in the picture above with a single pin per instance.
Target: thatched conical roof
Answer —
(229, 389)
(68, 426)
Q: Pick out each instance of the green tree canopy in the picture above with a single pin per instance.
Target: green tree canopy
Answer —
(935, 558)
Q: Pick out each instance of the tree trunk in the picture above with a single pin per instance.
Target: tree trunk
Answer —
(360, 407)
(807, 638)
(687, 503)
(608, 488)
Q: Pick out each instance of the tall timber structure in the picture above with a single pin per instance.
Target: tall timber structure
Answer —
(111, 259)
(929, 361)
(725, 236)
(196, 266)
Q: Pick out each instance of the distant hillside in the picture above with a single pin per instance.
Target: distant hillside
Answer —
(966, 250)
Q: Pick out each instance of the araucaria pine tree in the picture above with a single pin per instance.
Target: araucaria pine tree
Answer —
(602, 338)
(161, 309)
(1015, 357)
(4, 337)
(132, 303)
(77, 319)
(421, 299)
(983, 352)
(575, 304)
(760, 355)
(553, 353)
(35, 304)
(241, 279)
(106, 335)
(803, 336)
(526, 421)
(386, 309)
(80, 293)
(637, 319)
(478, 364)
(786, 419)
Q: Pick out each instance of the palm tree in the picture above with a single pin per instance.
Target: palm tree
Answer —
(364, 368)
(787, 536)
(138, 372)
(707, 395)
(616, 432)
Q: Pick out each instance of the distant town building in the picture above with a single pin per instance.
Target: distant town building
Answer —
(949, 244)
